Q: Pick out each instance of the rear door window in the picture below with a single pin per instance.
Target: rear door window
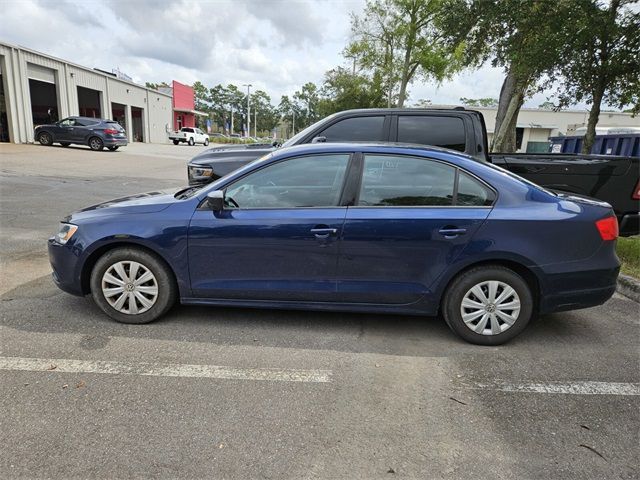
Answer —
(473, 193)
(439, 131)
(357, 129)
(402, 181)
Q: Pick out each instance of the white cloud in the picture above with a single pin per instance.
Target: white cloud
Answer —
(276, 45)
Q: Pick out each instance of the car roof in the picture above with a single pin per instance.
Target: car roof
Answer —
(396, 147)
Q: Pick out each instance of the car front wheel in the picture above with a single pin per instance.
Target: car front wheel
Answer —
(45, 139)
(132, 286)
(488, 305)
(206, 142)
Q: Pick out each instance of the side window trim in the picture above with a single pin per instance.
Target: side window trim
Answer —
(455, 187)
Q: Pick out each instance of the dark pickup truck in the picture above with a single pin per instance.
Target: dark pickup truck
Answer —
(612, 179)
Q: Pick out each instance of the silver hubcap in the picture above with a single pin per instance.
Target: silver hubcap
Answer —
(95, 143)
(130, 287)
(490, 307)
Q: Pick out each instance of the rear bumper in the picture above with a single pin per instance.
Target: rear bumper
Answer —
(112, 142)
(629, 224)
(576, 290)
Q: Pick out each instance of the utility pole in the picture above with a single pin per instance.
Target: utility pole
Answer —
(248, 85)
(255, 122)
(293, 124)
(231, 120)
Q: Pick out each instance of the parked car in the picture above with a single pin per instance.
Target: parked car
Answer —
(348, 227)
(97, 133)
(609, 178)
(189, 135)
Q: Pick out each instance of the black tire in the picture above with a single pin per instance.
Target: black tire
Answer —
(95, 143)
(192, 142)
(45, 139)
(206, 142)
(176, 142)
(65, 144)
(167, 288)
(463, 283)
(113, 148)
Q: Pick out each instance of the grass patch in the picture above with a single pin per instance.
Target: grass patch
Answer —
(628, 250)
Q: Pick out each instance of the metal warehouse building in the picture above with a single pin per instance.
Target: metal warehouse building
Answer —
(36, 88)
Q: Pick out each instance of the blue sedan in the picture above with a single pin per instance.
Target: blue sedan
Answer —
(348, 227)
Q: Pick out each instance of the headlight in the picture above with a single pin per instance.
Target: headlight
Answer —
(65, 233)
(198, 172)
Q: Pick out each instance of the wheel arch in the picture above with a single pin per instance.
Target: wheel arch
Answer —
(529, 276)
(94, 256)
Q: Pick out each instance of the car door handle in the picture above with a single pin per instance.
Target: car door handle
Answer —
(452, 232)
(323, 232)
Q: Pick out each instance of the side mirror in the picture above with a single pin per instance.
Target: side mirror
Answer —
(319, 139)
(215, 200)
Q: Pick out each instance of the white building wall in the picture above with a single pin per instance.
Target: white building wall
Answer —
(14, 62)
(539, 125)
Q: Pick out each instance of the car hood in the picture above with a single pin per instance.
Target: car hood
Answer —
(149, 202)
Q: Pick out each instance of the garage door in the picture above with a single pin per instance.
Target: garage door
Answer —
(43, 74)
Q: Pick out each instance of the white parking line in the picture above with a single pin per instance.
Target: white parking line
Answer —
(566, 388)
(163, 370)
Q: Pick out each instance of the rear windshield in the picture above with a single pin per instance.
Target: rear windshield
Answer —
(190, 130)
(115, 125)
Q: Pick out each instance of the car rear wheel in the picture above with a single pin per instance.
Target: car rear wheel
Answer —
(113, 148)
(96, 143)
(132, 286)
(192, 142)
(45, 139)
(206, 142)
(176, 142)
(65, 144)
(488, 305)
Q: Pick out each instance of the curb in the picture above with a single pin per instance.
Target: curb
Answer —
(629, 287)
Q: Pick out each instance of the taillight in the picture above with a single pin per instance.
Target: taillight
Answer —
(110, 131)
(608, 228)
(636, 191)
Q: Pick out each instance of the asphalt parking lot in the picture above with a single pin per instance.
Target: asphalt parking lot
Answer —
(239, 393)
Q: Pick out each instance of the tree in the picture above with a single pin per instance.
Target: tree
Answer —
(306, 100)
(344, 90)
(156, 86)
(525, 38)
(399, 40)
(605, 61)
(479, 102)
(201, 94)
(264, 111)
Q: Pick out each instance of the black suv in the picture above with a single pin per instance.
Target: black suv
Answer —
(97, 133)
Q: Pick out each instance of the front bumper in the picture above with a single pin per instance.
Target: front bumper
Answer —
(64, 261)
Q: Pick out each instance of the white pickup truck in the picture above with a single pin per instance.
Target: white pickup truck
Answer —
(189, 135)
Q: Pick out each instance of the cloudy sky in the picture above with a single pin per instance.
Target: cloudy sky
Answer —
(276, 45)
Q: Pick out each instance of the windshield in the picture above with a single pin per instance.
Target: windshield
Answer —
(303, 133)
